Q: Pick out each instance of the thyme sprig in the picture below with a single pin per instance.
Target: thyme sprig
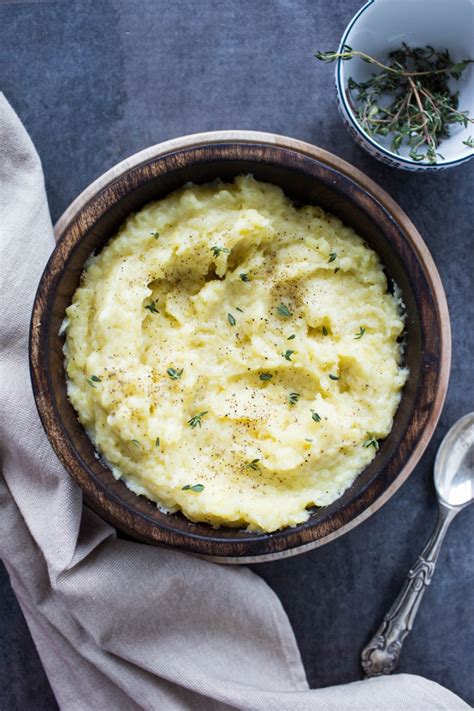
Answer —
(175, 373)
(196, 419)
(293, 398)
(253, 464)
(371, 442)
(217, 250)
(152, 307)
(410, 100)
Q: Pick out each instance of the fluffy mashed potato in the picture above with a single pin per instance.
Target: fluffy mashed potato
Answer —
(235, 357)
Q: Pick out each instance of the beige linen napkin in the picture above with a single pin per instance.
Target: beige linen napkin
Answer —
(121, 625)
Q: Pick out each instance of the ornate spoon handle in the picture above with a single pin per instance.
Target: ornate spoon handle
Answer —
(381, 654)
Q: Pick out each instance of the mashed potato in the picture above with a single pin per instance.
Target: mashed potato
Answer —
(235, 357)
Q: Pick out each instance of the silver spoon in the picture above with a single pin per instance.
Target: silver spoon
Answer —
(454, 484)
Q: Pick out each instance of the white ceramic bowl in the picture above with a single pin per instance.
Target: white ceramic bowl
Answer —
(380, 27)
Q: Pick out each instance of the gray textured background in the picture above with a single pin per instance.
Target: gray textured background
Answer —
(94, 81)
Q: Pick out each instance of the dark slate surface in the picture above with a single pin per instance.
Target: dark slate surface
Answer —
(95, 81)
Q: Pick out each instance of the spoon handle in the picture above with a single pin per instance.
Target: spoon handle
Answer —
(381, 654)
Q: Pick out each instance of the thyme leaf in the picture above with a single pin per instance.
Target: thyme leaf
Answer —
(293, 398)
(197, 488)
(361, 332)
(265, 376)
(231, 319)
(287, 354)
(283, 310)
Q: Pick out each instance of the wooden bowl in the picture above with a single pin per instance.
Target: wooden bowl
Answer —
(308, 175)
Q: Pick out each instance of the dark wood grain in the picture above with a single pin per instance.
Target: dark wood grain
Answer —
(308, 175)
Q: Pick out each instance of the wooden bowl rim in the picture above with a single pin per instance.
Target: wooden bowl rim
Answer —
(326, 158)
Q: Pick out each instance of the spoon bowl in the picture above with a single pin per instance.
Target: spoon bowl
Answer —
(454, 465)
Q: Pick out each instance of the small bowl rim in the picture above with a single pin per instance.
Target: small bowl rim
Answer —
(349, 114)
(417, 245)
